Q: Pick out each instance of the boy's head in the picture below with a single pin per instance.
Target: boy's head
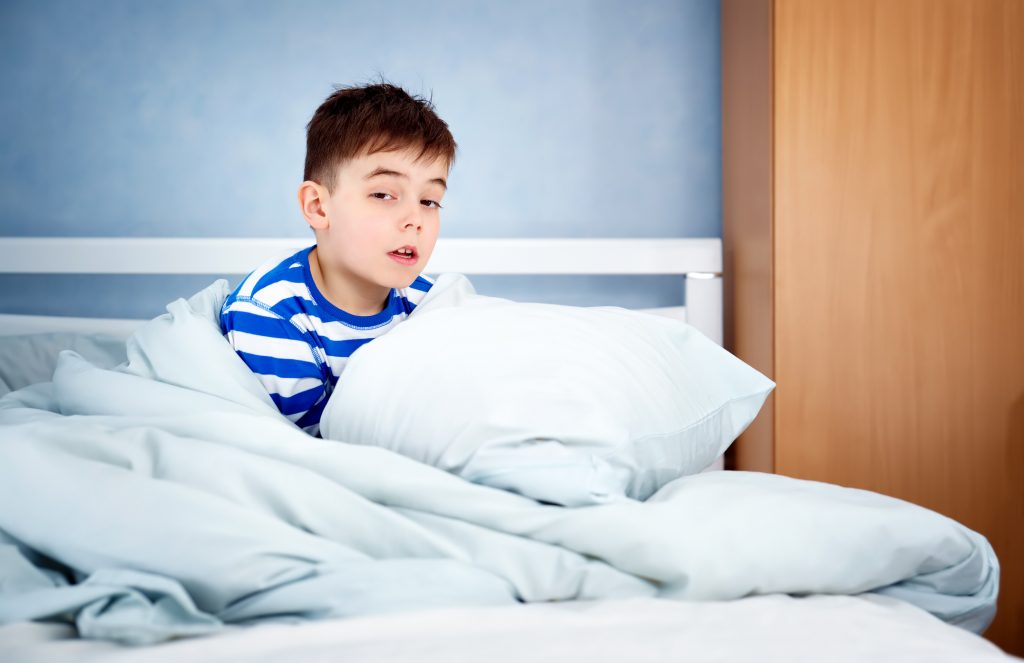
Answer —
(377, 163)
(374, 118)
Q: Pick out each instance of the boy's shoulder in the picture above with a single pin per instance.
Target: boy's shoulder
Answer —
(278, 279)
(423, 283)
(414, 293)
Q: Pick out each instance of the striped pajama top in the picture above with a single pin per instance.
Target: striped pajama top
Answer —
(295, 341)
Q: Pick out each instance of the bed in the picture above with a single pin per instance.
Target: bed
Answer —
(759, 537)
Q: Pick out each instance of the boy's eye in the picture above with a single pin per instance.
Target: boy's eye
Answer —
(431, 203)
(382, 196)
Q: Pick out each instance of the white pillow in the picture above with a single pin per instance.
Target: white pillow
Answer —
(563, 404)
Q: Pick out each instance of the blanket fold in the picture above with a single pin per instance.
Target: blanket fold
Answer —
(180, 500)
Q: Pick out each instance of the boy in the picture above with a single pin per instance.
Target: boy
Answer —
(377, 160)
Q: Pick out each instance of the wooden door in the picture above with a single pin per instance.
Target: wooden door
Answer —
(897, 244)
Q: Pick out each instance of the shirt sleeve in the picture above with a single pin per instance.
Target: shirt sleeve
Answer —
(283, 359)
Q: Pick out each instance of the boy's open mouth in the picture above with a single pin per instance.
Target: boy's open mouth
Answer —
(405, 254)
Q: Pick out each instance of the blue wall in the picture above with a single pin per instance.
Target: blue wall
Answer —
(577, 118)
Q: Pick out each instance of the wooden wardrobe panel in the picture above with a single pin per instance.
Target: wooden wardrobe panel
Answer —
(899, 239)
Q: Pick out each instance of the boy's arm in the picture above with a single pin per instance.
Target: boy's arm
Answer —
(283, 359)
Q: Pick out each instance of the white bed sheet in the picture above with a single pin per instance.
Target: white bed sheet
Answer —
(763, 628)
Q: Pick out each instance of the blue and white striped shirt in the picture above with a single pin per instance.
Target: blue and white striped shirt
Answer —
(295, 341)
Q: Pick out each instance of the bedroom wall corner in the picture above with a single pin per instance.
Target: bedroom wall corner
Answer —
(747, 210)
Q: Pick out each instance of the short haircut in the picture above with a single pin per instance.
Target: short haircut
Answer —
(360, 120)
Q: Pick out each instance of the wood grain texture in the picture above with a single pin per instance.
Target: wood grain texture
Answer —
(899, 245)
(747, 207)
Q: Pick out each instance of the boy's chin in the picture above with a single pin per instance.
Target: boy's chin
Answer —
(399, 280)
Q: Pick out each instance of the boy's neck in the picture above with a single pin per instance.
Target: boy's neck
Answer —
(346, 294)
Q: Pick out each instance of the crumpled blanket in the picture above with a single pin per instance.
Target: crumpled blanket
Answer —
(168, 497)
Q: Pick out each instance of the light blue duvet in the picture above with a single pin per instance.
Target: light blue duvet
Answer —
(168, 497)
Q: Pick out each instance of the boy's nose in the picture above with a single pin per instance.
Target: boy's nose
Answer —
(413, 217)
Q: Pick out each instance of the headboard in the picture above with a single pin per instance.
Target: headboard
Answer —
(698, 262)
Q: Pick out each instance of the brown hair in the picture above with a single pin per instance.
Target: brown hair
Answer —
(359, 120)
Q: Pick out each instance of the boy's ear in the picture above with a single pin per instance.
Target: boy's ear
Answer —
(312, 198)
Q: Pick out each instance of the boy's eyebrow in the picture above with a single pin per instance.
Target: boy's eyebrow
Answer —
(380, 170)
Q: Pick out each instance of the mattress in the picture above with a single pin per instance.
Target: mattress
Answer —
(763, 628)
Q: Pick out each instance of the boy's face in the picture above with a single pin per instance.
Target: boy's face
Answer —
(381, 202)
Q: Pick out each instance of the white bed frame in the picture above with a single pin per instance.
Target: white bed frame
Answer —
(698, 263)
